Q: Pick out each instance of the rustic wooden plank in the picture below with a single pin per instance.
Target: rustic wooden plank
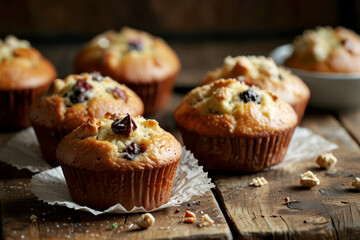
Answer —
(329, 211)
(351, 121)
(53, 222)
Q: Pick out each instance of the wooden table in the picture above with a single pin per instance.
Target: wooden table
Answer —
(329, 211)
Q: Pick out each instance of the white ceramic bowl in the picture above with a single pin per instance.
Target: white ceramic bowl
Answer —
(328, 90)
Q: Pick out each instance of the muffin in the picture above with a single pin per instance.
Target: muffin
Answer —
(119, 159)
(144, 63)
(231, 126)
(24, 74)
(70, 102)
(264, 73)
(326, 50)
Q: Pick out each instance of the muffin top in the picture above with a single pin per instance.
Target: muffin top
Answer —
(70, 102)
(326, 50)
(23, 67)
(231, 108)
(264, 73)
(128, 55)
(118, 141)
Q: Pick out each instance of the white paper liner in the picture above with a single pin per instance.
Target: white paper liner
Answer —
(190, 180)
(23, 151)
(305, 144)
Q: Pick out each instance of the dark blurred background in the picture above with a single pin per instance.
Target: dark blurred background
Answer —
(201, 31)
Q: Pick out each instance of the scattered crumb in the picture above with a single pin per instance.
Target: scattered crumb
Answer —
(326, 160)
(309, 179)
(190, 217)
(356, 183)
(287, 199)
(207, 221)
(258, 182)
(177, 210)
(33, 218)
(145, 221)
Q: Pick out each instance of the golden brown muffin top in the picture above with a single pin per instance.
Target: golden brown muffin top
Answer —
(118, 141)
(129, 55)
(264, 73)
(70, 102)
(326, 50)
(231, 108)
(23, 67)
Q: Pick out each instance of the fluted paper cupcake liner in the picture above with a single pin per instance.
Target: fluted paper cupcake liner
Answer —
(190, 180)
(238, 154)
(15, 105)
(148, 188)
(155, 95)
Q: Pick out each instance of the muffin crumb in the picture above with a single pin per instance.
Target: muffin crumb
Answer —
(356, 183)
(33, 218)
(145, 221)
(190, 217)
(207, 221)
(309, 179)
(326, 160)
(258, 182)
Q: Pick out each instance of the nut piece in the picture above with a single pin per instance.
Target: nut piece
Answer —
(145, 221)
(326, 160)
(190, 217)
(309, 179)
(356, 183)
(258, 182)
(33, 218)
(207, 221)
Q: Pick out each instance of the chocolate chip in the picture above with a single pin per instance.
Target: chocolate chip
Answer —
(250, 96)
(118, 93)
(80, 91)
(96, 76)
(135, 44)
(132, 150)
(124, 126)
(280, 76)
(347, 44)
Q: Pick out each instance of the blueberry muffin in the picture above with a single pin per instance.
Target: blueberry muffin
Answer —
(264, 73)
(326, 50)
(231, 126)
(144, 63)
(24, 74)
(70, 102)
(119, 159)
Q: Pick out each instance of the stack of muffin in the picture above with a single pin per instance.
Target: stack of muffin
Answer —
(240, 119)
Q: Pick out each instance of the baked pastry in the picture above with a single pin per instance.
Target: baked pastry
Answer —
(119, 159)
(326, 50)
(70, 102)
(144, 63)
(264, 73)
(231, 126)
(24, 74)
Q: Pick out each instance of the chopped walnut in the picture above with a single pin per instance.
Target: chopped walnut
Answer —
(326, 160)
(145, 221)
(309, 179)
(33, 218)
(356, 183)
(190, 217)
(258, 182)
(207, 221)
